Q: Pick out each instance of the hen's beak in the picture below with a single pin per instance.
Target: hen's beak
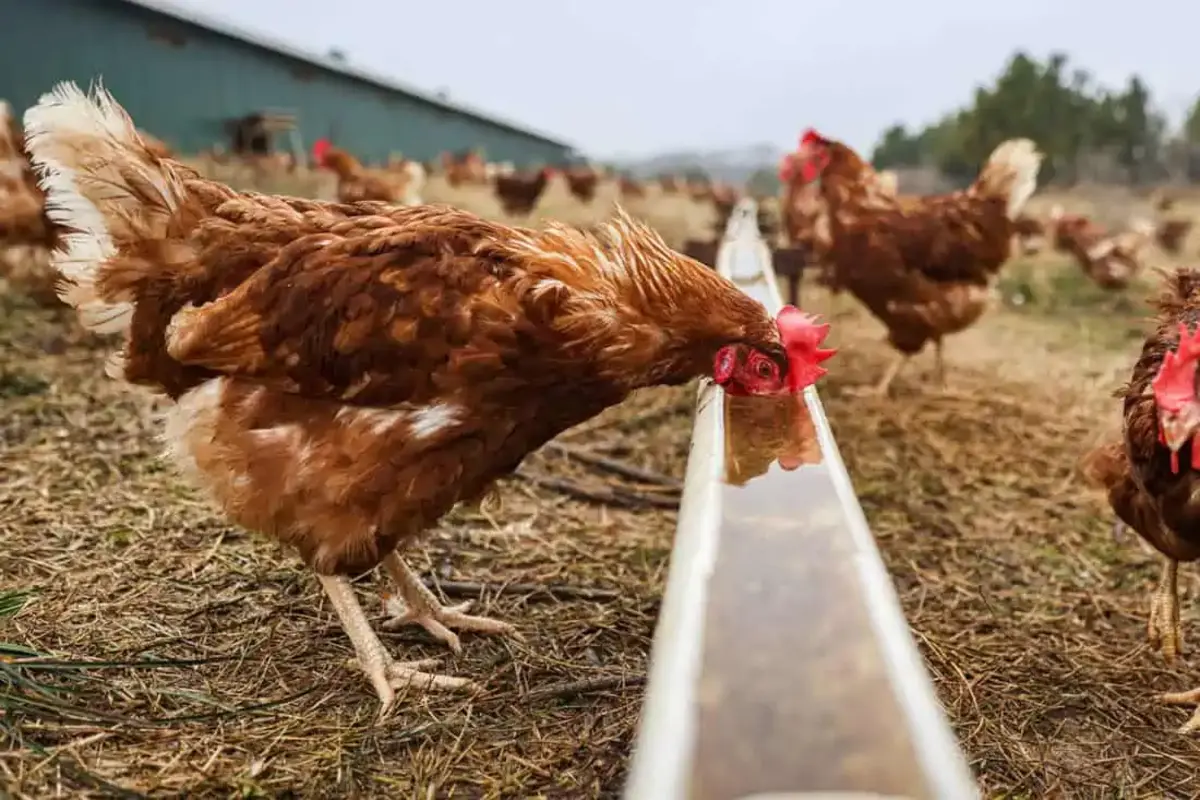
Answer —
(1176, 433)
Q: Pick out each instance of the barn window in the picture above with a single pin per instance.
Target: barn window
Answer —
(165, 35)
(304, 74)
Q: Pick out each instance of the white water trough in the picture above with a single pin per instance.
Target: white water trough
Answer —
(782, 664)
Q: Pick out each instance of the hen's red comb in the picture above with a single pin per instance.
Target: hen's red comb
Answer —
(811, 136)
(802, 335)
(1175, 384)
(320, 148)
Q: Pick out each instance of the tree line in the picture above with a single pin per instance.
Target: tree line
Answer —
(1071, 117)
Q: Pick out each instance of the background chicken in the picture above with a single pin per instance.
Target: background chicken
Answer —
(581, 182)
(1152, 474)
(518, 193)
(922, 265)
(630, 189)
(26, 235)
(21, 217)
(806, 217)
(1171, 234)
(343, 374)
(1110, 260)
(464, 168)
(356, 182)
(805, 222)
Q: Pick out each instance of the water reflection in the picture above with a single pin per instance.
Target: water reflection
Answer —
(762, 431)
(787, 588)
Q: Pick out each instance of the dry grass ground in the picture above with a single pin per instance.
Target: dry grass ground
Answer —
(181, 656)
(227, 671)
(1030, 614)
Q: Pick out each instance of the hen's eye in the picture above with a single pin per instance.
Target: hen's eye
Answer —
(764, 369)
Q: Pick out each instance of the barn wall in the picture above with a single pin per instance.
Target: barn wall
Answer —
(180, 82)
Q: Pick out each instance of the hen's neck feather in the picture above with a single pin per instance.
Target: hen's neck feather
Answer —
(645, 314)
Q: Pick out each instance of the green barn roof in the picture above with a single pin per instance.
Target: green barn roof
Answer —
(191, 17)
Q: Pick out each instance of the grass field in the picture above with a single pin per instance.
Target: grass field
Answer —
(222, 670)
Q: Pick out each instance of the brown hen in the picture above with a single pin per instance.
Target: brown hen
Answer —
(357, 183)
(924, 266)
(343, 374)
(1111, 260)
(519, 193)
(1152, 474)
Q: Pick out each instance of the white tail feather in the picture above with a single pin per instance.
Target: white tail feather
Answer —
(88, 153)
(1020, 159)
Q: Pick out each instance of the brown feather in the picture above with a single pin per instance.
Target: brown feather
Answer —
(922, 265)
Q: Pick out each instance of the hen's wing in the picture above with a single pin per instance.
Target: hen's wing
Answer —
(944, 239)
(1108, 467)
(373, 312)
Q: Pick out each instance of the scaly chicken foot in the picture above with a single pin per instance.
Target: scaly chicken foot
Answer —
(1191, 698)
(1163, 629)
(385, 673)
(417, 605)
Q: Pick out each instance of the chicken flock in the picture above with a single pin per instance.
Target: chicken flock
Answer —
(343, 373)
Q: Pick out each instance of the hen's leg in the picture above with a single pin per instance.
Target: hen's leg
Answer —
(939, 363)
(417, 605)
(880, 389)
(889, 375)
(1191, 698)
(1163, 629)
(385, 673)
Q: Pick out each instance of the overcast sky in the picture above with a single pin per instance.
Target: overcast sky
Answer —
(641, 76)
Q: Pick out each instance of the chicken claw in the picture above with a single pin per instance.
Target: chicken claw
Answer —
(417, 605)
(385, 673)
(1191, 698)
(1163, 629)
